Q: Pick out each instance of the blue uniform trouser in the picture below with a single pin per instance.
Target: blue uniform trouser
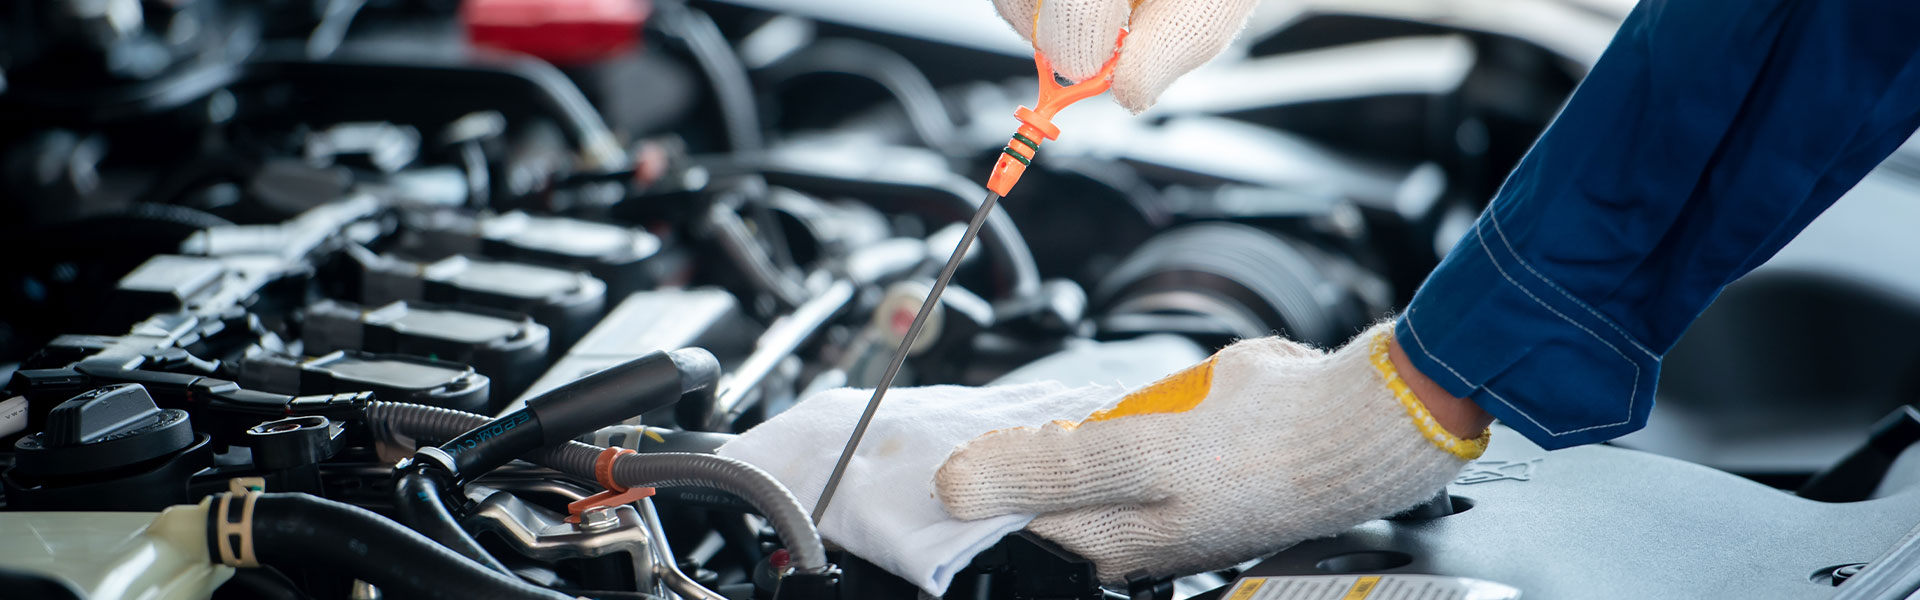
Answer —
(1707, 136)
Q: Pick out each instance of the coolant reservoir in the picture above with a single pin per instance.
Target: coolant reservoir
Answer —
(116, 555)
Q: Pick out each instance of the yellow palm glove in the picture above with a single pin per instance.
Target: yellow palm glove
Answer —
(1264, 445)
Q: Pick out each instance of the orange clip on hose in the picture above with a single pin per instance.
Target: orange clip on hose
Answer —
(1036, 124)
(615, 495)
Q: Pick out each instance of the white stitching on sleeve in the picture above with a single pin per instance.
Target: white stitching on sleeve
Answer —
(1556, 287)
(1633, 391)
(1449, 368)
(1633, 394)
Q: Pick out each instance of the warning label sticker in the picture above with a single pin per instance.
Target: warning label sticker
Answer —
(1369, 587)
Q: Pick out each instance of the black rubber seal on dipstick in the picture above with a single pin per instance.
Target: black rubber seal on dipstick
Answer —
(1016, 156)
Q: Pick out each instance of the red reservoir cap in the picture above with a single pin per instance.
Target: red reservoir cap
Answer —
(563, 32)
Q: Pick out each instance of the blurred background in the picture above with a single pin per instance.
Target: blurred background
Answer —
(1377, 128)
(526, 191)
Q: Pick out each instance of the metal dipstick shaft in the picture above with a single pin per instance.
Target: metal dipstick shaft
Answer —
(900, 355)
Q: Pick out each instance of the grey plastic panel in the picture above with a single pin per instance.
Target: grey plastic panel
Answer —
(1605, 523)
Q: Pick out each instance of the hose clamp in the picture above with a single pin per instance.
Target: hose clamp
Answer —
(233, 533)
(435, 456)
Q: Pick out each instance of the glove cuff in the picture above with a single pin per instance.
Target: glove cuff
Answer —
(1462, 448)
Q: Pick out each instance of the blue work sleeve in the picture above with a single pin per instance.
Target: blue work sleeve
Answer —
(1707, 136)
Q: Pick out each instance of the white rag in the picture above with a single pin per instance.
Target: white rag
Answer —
(885, 510)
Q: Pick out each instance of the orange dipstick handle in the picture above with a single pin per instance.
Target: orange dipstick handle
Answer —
(1036, 124)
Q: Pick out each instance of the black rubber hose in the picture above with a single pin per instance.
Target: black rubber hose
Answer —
(674, 469)
(579, 407)
(922, 104)
(147, 223)
(943, 194)
(419, 504)
(304, 530)
(493, 443)
(525, 83)
(405, 422)
(732, 89)
(265, 583)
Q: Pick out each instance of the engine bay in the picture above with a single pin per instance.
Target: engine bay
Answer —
(421, 298)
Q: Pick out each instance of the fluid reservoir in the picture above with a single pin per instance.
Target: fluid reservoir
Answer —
(115, 555)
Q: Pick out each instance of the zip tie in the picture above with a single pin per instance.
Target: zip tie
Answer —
(615, 495)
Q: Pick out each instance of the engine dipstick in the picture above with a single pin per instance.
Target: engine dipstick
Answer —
(1036, 125)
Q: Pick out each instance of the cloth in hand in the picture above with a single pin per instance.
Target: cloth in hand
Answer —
(885, 510)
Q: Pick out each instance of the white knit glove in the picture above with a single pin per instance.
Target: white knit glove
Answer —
(1165, 39)
(1264, 445)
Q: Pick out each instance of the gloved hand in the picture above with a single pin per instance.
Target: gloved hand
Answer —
(1266, 444)
(1166, 38)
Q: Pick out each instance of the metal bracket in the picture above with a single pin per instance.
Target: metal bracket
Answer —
(545, 535)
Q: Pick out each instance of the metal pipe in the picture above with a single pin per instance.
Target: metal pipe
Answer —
(665, 567)
(900, 356)
(730, 231)
(780, 341)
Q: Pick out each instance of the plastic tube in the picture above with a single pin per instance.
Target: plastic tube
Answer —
(405, 422)
(307, 531)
